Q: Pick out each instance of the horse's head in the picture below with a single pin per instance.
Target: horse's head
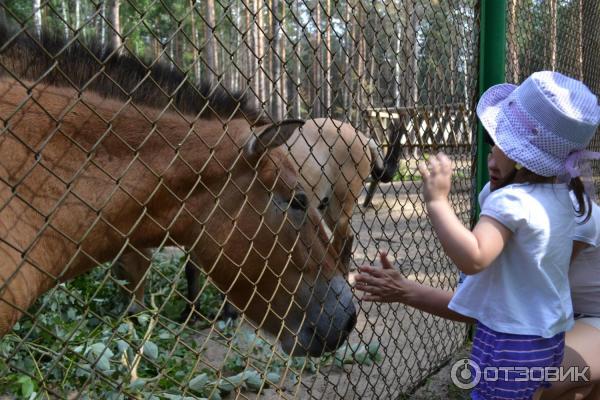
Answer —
(264, 244)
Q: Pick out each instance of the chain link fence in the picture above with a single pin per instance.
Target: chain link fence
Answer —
(400, 72)
(555, 35)
(150, 192)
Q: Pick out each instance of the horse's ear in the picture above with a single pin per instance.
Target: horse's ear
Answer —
(271, 136)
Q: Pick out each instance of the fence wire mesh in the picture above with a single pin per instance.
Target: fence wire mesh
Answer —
(556, 35)
(136, 163)
(150, 192)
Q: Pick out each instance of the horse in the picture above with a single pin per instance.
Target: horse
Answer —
(87, 174)
(332, 157)
(333, 161)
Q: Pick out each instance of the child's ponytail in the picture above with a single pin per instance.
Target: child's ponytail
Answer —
(583, 199)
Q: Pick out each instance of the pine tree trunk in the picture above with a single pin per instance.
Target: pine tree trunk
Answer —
(298, 66)
(317, 65)
(553, 33)
(327, 73)
(77, 14)
(242, 54)
(37, 17)
(276, 95)
(452, 81)
(414, 57)
(211, 44)
(410, 92)
(101, 23)
(195, 41)
(115, 22)
(349, 46)
(284, 73)
(361, 67)
(397, 67)
(251, 61)
(260, 19)
(371, 102)
(257, 52)
(64, 10)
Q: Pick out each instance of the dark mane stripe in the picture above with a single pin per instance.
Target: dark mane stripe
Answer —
(89, 66)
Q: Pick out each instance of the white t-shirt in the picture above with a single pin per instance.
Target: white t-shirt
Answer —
(525, 290)
(584, 274)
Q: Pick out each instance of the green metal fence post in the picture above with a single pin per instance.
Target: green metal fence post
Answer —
(492, 51)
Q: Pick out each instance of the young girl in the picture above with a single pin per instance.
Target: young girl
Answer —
(582, 343)
(517, 256)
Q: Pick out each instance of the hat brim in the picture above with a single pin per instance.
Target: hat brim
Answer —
(489, 107)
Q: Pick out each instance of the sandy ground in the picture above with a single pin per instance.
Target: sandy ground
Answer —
(413, 345)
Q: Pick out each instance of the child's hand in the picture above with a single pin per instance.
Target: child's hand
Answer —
(385, 284)
(437, 174)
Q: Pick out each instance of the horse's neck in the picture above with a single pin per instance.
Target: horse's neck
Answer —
(99, 171)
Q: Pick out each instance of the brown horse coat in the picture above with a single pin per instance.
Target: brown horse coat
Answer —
(84, 177)
(333, 160)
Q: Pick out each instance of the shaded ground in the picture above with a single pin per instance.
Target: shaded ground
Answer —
(439, 386)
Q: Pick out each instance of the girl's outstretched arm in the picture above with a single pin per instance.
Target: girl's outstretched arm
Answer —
(388, 285)
(470, 251)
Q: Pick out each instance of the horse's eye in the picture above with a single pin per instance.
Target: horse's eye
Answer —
(299, 202)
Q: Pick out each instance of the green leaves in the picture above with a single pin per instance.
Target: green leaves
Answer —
(253, 380)
(358, 354)
(199, 383)
(151, 350)
(249, 379)
(176, 397)
(137, 385)
(122, 346)
(27, 387)
(100, 355)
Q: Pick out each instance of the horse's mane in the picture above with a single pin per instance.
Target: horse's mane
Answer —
(86, 65)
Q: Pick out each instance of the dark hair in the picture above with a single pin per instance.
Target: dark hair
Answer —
(575, 185)
(583, 199)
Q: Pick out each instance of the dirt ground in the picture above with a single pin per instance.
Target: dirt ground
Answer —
(439, 386)
(413, 345)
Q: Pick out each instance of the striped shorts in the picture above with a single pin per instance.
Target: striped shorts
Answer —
(512, 366)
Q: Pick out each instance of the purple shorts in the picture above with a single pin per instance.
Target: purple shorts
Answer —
(513, 366)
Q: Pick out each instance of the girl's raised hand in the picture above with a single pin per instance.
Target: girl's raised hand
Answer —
(437, 177)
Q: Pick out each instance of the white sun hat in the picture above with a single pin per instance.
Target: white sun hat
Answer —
(539, 123)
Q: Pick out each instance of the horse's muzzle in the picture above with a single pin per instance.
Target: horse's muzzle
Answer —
(329, 318)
